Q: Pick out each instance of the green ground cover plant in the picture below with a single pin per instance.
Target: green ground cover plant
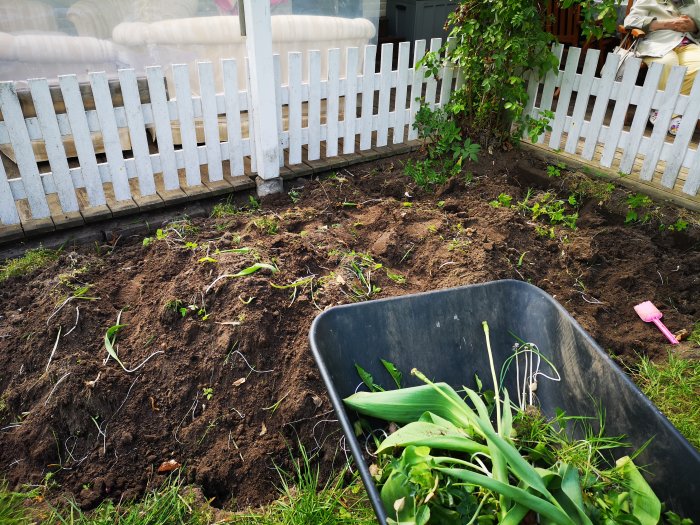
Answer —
(29, 262)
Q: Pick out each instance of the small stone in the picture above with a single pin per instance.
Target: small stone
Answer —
(168, 466)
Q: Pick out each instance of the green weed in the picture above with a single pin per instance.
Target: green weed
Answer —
(13, 510)
(556, 211)
(269, 225)
(638, 205)
(503, 200)
(554, 170)
(32, 260)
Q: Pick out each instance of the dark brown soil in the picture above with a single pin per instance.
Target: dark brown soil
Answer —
(92, 430)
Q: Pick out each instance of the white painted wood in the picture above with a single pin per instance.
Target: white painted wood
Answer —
(295, 100)
(259, 47)
(22, 146)
(368, 87)
(622, 101)
(251, 118)
(350, 110)
(641, 116)
(400, 97)
(8, 210)
(582, 97)
(550, 84)
(601, 105)
(533, 86)
(279, 104)
(164, 134)
(185, 112)
(137, 131)
(658, 135)
(314, 115)
(384, 94)
(431, 81)
(447, 74)
(210, 115)
(416, 86)
(233, 116)
(332, 102)
(56, 153)
(564, 97)
(75, 110)
(110, 136)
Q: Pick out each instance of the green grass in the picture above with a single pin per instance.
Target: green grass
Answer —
(12, 506)
(32, 260)
(674, 387)
(304, 502)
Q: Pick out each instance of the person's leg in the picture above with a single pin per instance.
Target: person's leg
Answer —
(669, 60)
(689, 56)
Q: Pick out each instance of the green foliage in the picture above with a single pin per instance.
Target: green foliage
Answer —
(32, 260)
(638, 205)
(446, 147)
(503, 199)
(554, 170)
(679, 226)
(208, 393)
(695, 334)
(12, 505)
(546, 205)
(269, 225)
(674, 386)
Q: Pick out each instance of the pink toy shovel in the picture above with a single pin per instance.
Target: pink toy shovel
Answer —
(650, 314)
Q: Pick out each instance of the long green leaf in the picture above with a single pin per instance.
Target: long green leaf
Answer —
(646, 507)
(517, 494)
(254, 268)
(407, 405)
(420, 433)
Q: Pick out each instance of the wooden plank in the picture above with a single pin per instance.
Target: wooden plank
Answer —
(601, 105)
(582, 97)
(350, 110)
(279, 104)
(56, 153)
(431, 81)
(137, 131)
(550, 84)
(669, 99)
(384, 94)
(164, 134)
(416, 87)
(8, 209)
(185, 112)
(567, 84)
(295, 142)
(681, 144)
(641, 116)
(250, 107)
(400, 98)
(332, 102)
(617, 121)
(367, 102)
(314, 116)
(233, 116)
(22, 146)
(447, 74)
(533, 85)
(212, 140)
(110, 136)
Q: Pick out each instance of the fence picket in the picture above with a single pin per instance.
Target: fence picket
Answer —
(283, 136)
(314, 117)
(447, 73)
(8, 209)
(251, 120)
(658, 135)
(295, 102)
(582, 97)
(332, 102)
(210, 115)
(350, 110)
(384, 94)
(550, 84)
(56, 153)
(431, 81)
(416, 87)
(641, 115)
(24, 153)
(368, 87)
(681, 144)
(137, 131)
(400, 97)
(567, 84)
(161, 121)
(233, 116)
(188, 134)
(602, 98)
(110, 136)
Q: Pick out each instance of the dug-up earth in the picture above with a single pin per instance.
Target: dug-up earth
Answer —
(230, 385)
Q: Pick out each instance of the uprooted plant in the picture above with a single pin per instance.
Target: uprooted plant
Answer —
(449, 463)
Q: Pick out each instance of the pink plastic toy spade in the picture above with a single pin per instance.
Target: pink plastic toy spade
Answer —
(650, 314)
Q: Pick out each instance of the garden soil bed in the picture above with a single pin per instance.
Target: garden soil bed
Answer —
(89, 429)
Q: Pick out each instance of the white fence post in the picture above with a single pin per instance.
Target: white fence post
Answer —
(262, 92)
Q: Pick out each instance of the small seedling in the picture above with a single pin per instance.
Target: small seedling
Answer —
(679, 226)
(253, 203)
(267, 224)
(208, 393)
(636, 203)
(191, 245)
(503, 200)
(555, 170)
(294, 195)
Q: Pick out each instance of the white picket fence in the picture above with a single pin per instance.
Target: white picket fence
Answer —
(328, 105)
(584, 126)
